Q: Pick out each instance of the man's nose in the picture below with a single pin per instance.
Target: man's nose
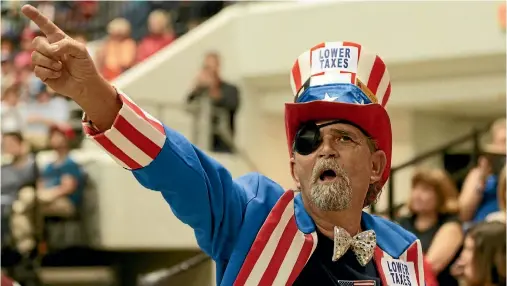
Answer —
(328, 148)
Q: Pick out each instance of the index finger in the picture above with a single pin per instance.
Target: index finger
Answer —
(44, 24)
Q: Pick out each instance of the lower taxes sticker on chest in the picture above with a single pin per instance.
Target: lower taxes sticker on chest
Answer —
(399, 273)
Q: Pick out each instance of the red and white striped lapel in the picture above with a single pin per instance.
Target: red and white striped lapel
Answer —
(280, 250)
(414, 254)
(377, 257)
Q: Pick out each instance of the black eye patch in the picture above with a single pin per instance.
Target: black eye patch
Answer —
(308, 137)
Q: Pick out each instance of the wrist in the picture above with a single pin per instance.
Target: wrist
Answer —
(98, 86)
(101, 103)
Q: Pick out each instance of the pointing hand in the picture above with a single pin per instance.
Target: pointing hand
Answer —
(60, 61)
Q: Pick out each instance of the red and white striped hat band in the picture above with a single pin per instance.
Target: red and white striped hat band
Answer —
(342, 62)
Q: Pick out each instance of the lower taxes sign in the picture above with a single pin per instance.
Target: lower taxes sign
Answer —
(399, 273)
(334, 57)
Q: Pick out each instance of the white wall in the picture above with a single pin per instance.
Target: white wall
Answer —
(271, 38)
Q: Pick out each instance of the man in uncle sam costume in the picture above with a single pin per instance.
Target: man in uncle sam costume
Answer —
(339, 140)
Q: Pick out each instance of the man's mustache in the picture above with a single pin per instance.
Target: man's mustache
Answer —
(327, 164)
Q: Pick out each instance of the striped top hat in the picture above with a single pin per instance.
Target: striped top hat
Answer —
(341, 81)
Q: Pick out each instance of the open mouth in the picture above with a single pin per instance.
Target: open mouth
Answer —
(327, 175)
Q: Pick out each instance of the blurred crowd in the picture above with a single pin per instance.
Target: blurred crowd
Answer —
(462, 232)
(135, 31)
(35, 119)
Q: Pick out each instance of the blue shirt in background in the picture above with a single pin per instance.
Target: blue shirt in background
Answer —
(53, 173)
(489, 203)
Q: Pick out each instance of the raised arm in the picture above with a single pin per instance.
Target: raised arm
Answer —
(199, 190)
(472, 191)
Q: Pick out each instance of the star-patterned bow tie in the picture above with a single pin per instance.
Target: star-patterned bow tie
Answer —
(363, 244)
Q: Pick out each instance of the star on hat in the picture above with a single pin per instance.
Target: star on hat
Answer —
(328, 98)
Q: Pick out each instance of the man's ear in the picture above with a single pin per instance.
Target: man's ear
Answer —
(378, 164)
(293, 172)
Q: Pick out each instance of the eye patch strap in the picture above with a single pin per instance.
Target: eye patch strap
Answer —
(312, 127)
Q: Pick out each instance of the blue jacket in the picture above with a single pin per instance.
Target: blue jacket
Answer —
(255, 231)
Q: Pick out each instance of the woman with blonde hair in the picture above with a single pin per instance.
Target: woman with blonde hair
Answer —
(482, 261)
(118, 52)
(433, 219)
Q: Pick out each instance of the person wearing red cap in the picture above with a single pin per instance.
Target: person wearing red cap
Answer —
(339, 139)
(59, 190)
(62, 181)
(7, 281)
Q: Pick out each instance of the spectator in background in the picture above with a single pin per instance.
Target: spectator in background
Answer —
(160, 35)
(500, 215)
(8, 72)
(24, 57)
(85, 10)
(7, 46)
(12, 21)
(12, 120)
(59, 189)
(45, 111)
(498, 136)
(478, 196)
(225, 101)
(19, 172)
(433, 219)
(7, 281)
(79, 15)
(118, 53)
(482, 261)
(29, 84)
(62, 182)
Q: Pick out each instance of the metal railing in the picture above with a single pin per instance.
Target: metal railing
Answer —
(201, 113)
(163, 277)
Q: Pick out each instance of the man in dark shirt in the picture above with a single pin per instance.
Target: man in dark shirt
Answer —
(225, 102)
(321, 270)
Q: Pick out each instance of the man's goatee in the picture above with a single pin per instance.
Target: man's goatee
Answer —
(332, 196)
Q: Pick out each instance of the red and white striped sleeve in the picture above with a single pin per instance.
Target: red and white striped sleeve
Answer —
(134, 140)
